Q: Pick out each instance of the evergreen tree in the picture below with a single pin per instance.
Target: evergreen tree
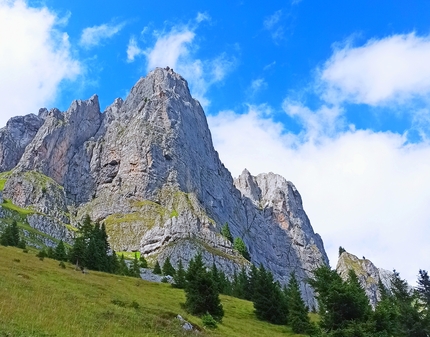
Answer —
(77, 252)
(224, 285)
(60, 252)
(10, 235)
(123, 268)
(201, 292)
(297, 316)
(135, 268)
(113, 263)
(268, 298)
(168, 268)
(216, 277)
(143, 262)
(423, 288)
(21, 244)
(50, 252)
(240, 246)
(225, 231)
(157, 269)
(241, 285)
(179, 280)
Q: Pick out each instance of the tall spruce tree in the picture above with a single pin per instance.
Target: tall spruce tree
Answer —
(60, 253)
(168, 268)
(240, 246)
(157, 268)
(135, 267)
(201, 292)
(268, 298)
(297, 310)
(225, 231)
(10, 235)
(179, 279)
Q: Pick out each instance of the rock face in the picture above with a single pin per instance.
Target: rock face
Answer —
(147, 169)
(14, 137)
(367, 273)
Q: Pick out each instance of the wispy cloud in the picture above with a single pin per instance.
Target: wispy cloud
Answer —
(202, 17)
(257, 85)
(274, 25)
(94, 36)
(31, 79)
(176, 49)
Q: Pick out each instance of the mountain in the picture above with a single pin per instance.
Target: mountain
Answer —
(368, 274)
(146, 168)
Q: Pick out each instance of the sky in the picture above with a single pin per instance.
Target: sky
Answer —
(332, 95)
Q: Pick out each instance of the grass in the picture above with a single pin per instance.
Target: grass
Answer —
(38, 298)
(22, 211)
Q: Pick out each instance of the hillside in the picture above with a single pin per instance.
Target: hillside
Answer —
(38, 298)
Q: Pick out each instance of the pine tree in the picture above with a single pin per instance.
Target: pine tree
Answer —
(10, 235)
(143, 262)
(267, 299)
(179, 280)
(240, 246)
(123, 268)
(157, 269)
(297, 316)
(135, 268)
(201, 292)
(168, 268)
(423, 288)
(113, 263)
(60, 252)
(225, 231)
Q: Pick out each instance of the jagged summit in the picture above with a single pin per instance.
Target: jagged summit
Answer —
(146, 168)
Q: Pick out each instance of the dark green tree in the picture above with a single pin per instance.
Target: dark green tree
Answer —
(179, 279)
(10, 235)
(21, 244)
(157, 269)
(297, 316)
(143, 262)
(240, 246)
(423, 288)
(168, 268)
(135, 267)
(60, 252)
(201, 291)
(225, 231)
(113, 263)
(268, 300)
(123, 268)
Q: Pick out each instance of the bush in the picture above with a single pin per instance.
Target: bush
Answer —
(62, 265)
(209, 321)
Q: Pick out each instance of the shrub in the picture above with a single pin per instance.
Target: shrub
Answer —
(209, 321)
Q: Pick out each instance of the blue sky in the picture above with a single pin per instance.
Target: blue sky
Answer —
(332, 95)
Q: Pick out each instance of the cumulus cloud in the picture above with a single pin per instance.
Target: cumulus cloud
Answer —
(364, 190)
(389, 70)
(93, 36)
(133, 50)
(35, 58)
(175, 49)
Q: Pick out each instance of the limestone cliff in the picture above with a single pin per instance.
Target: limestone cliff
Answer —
(368, 274)
(147, 168)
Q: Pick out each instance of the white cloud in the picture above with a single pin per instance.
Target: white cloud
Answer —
(202, 17)
(273, 24)
(366, 191)
(393, 69)
(257, 85)
(93, 36)
(133, 50)
(175, 49)
(34, 58)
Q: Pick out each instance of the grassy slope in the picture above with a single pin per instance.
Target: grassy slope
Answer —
(38, 298)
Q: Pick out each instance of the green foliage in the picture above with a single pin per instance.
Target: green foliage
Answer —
(268, 298)
(225, 231)
(297, 315)
(42, 254)
(62, 265)
(168, 268)
(60, 252)
(201, 292)
(240, 246)
(135, 267)
(240, 285)
(143, 262)
(157, 268)
(122, 267)
(179, 280)
(209, 321)
(10, 236)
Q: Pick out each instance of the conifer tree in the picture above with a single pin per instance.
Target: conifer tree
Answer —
(113, 263)
(143, 262)
(268, 298)
(123, 268)
(10, 235)
(240, 246)
(168, 268)
(157, 269)
(225, 231)
(60, 252)
(201, 292)
(135, 268)
(297, 316)
(179, 280)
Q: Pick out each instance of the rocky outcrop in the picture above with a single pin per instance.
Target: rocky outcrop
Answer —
(14, 137)
(368, 275)
(147, 169)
